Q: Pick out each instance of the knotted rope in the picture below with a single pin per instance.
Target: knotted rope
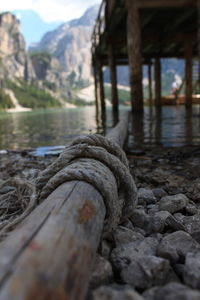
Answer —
(98, 161)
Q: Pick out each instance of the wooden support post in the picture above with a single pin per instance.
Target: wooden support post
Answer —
(135, 56)
(101, 92)
(188, 74)
(150, 83)
(50, 255)
(158, 93)
(96, 92)
(113, 77)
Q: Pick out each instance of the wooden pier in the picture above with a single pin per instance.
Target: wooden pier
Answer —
(138, 32)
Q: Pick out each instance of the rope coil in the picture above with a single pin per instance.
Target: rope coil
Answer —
(98, 161)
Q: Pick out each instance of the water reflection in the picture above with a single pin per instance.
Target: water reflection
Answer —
(168, 125)
(45, 127)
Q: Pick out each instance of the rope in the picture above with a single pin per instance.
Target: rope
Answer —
(98, 161)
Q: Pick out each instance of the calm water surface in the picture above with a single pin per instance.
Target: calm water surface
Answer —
(170, 126)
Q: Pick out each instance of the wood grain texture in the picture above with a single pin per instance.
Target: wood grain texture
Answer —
(56, 246)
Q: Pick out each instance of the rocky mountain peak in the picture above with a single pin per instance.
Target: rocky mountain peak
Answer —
(88, 17)
(70, 43)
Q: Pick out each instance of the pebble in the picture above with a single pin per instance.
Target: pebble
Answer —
(176, 245)
(173, 203)
(146, 271)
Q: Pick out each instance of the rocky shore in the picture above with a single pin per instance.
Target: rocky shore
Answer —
(156, 253)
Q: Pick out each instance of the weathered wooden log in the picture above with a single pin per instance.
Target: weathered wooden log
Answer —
(50, 255)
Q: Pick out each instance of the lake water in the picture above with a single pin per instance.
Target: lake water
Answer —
(170, 126)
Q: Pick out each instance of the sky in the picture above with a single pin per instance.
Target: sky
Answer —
(40, 16)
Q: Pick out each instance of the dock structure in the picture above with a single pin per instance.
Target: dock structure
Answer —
(138, 32)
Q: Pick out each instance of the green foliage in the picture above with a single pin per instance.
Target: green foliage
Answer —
(79, 102)
(5, 101)
(123, 95)
(33, 97)
(50, 85)
(42, 56)
(78, 84)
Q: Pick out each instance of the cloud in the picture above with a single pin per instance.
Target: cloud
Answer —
(51, 10)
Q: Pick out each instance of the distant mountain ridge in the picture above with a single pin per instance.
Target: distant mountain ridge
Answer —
(70, 43)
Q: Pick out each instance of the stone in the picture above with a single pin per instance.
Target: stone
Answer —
(172, 291)
(179, 269)
(146, 271)
(175, 224)
(123, 255)
(128, 224)
(173, 203)
(124, 235)
(174, 184)
(102, 272)
(176, 245)
(152, 209)
(113, 293)
(146, 196)
(150, 294)
(158, 221)
(196, 236)
(192, 223)
(159, 193)
(140, 219)
(191, 274)
(191, 209)
(105, 248)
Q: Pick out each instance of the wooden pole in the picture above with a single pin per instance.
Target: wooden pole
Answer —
(135, 56)
(96, 92)
(101, 92)
(188, 74)
(150, 83)
(113, 77)
(158, 95)
(50, 255)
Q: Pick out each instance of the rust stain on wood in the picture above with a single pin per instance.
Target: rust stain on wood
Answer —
(15, 285)
(86, 212)
(39, 291)
(34, 246)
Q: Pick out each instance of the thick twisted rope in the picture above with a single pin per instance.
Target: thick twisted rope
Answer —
(98, 161)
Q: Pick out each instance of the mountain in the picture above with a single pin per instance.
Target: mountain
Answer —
(33, 81)
(14, 59)
(70, 43)
(32, 26)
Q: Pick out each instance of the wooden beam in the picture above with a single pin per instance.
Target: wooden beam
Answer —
(188, 74)
(101, 91)
(113, 77)
(164, 3)
(135, 56)
(96, 91)
(50, 255)
(158, 96)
